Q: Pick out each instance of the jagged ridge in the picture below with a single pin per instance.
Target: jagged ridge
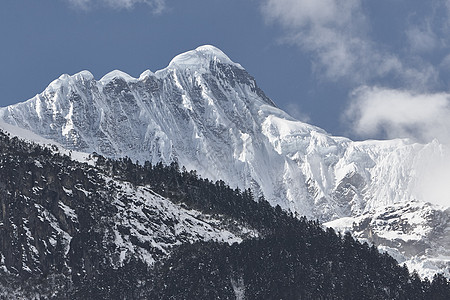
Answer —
(207, 113)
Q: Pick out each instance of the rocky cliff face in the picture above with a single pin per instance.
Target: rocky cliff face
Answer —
(207, 113)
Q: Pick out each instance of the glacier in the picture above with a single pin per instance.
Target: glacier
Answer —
(207, 113)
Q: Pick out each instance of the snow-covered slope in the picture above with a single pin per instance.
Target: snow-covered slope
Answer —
(207, 112)
(414, 233)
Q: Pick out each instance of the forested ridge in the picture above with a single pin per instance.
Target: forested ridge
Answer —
(291, 258)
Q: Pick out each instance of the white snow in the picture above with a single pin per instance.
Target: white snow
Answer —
(68, 211)
(221, 127)
(395, 229)
(68, 191)
(38, 164)
(116, 74)
(142, 214)
(146, 74)
(69, 123)
(201, 57)
(84, 75)
(238, 288)
(30, 136)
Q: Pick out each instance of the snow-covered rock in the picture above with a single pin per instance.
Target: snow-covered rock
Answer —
(207, 113)
(414, 233)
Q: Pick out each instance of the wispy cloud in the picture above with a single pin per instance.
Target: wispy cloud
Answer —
(157, 6)
(324, 28)
(337, 35)
(295, 110)
(394, 113)
(422, 38)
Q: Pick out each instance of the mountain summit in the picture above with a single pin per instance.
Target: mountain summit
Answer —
(202, 55)
(208, 114)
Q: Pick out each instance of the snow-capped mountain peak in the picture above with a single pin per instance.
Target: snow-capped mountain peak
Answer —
(218, 122)
(207, 113)
(66, 79)
(201, 56)
(116, 74)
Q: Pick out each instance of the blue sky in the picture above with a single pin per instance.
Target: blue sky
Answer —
(359, 68)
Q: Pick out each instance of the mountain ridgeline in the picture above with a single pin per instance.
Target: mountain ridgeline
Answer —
(208, 114)
(114, 229)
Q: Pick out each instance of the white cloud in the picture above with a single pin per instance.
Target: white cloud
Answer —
(337, 34)
(156, 5)
(321, 27)
(299, 13)
(296, 111)
(422, 39)
(445, 63)
(374, 112)
(83, 4)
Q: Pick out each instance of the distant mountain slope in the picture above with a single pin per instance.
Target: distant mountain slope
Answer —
(207, 113)
(112, 229)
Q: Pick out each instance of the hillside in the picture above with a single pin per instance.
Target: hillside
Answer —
(112, 229)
